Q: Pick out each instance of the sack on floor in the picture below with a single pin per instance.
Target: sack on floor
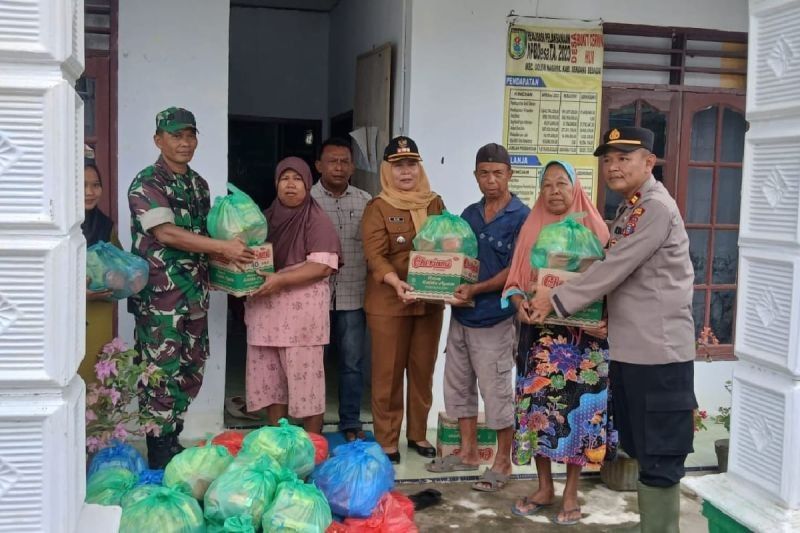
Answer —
(119, 455)
(237, 215)
(246, 487)
(395, 512)
(151, 477)
(355, 478)
(164, 510)
(239, 524)
(297, 507)
(109, 268)
(446, 233)
(320, 447)
(195, 468)
(232, 440)
(139, 492)
(110, 485)
(289, 445)
(567, 243)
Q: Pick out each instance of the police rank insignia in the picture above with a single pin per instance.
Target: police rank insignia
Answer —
(397, 220)
(630, 225)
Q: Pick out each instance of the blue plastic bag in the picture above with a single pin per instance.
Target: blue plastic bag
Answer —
(119, 455)
(355, 478)
(289, 445)
(109, 268)
(151, 477)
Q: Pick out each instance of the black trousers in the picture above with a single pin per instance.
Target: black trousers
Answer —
(653, 406)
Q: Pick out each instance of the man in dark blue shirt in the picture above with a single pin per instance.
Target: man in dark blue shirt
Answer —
(481, 339)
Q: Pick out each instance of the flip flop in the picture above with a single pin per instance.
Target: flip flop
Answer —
(515, 510)
(236, 407)
(495, 481)
(559, 522)
(449, 463)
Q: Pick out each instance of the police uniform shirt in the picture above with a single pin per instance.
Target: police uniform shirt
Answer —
(648, 278)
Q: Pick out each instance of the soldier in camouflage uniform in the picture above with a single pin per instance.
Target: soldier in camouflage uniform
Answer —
(169, 203)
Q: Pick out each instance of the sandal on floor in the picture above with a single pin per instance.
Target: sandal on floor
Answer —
(556, 520)
(237, 408)
(354, 434)
(490, 481)
(450, 463)
(536, 507)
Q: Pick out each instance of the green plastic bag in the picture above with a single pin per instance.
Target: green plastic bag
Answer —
(139, 493)
(244, 488)
(569, 241)
(446, 233)
(298, 507)
(109, 268)
(239, 524)
(237, 215)
(109, 485)
(164, 510)
(195, 468)
(289, 445)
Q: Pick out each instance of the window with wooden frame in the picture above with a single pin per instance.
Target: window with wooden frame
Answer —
(687, 85)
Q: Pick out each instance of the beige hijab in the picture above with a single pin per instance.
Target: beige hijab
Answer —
(415, 201)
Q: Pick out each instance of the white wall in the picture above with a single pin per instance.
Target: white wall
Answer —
(176, 53)
(358, 26)
(457, 67)
(278, 63)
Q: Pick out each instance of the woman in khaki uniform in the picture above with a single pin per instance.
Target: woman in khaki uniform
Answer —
(405, 332)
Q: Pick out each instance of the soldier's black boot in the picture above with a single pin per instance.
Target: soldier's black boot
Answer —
(175, 446)
(159, 451)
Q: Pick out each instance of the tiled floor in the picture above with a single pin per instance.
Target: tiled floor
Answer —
(412, 466)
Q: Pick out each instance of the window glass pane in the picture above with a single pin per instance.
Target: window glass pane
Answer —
(733, 128)
(726, 256)
(729, 195)
(97, 41)
(85, 87)
(656, 120)
(622, 117)
(723, 307)
(698, 251)
(699, 311)
(97, 20)
(704, 134)
(698, 200)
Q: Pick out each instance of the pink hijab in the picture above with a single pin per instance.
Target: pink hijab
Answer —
(521, 274)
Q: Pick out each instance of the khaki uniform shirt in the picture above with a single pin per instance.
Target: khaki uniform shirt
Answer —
(647, 277)
(387, 234)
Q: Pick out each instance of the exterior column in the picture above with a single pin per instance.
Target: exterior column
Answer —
(762, 487)
(42, 266)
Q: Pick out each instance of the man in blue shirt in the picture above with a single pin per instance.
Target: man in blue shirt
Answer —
(481, 339)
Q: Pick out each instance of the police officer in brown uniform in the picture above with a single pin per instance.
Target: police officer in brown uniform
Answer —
(647, 279)
(405, 332)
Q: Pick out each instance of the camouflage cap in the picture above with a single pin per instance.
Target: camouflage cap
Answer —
(174, 119)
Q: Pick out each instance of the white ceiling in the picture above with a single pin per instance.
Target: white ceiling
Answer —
(305, 5)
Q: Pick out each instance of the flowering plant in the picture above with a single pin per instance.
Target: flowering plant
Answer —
(724, 416)
(110, 414)
(700, 416)
(707, 338)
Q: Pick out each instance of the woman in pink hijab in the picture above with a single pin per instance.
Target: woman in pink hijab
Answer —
(561, 393)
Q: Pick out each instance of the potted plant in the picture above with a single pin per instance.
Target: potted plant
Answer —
(111, 412)
(721, 445)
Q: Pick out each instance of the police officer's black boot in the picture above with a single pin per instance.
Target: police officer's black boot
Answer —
(159, 451)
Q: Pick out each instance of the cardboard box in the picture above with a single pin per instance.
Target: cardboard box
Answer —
(436, 275)
(448, 438)
(588, 317)
(240, 281)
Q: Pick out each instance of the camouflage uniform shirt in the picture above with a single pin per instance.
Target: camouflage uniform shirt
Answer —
(178, 280)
